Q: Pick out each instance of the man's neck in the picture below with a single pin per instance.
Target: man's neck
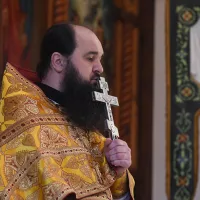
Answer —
(51, 84)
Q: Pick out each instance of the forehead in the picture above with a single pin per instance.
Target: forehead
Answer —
(87, 41)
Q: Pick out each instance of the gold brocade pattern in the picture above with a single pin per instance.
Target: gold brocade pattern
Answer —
(42, 155)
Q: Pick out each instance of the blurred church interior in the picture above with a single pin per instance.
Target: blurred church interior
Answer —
(133, 34)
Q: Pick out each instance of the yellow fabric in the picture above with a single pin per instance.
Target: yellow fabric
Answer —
(44, 156)
(123, 184)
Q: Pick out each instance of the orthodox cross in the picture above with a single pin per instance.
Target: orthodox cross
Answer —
(108, 100)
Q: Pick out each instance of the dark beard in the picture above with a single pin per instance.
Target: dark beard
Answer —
(78, 104)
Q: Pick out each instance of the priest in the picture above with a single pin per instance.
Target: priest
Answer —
(52, 139)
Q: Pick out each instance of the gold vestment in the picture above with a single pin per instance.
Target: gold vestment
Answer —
(44, 156)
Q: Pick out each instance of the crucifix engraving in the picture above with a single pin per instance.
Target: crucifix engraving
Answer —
(108, 100)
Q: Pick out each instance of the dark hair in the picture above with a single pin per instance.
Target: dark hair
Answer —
(59, 38)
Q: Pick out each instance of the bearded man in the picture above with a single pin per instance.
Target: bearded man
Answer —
(52, 140)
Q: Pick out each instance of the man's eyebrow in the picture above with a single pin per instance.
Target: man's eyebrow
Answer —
(91, 52)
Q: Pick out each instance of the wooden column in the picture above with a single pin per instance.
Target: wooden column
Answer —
(126, 75)
(133, 83)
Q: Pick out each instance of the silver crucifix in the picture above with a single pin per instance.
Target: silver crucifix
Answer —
(108, 100)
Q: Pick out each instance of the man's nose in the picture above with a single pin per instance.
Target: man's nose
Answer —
(98, 67)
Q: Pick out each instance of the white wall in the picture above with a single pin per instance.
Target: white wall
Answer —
(159, 130)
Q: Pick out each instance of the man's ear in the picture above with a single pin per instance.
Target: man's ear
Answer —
(58, 62)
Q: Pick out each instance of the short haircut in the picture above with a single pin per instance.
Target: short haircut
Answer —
(59, 38)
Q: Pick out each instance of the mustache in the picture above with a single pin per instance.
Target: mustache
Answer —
(96, 76)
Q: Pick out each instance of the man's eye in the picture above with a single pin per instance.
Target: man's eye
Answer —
(91, 59)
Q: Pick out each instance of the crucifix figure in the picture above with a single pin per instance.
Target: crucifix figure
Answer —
(108, 100)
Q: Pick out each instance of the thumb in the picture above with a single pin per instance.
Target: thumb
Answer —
(107, 142)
